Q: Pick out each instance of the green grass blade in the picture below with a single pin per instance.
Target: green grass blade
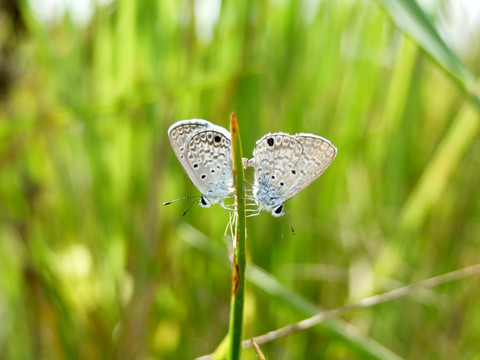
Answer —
(411, 19)
(439, 171)
(239, 261)
(365, 347)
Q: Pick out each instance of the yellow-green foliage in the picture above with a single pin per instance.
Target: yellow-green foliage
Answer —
(92, 266)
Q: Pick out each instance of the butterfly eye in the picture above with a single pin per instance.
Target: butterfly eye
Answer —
(203, 201)
(279, 209)
(270, 141)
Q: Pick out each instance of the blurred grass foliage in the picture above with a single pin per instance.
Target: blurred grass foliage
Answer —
(92, 266)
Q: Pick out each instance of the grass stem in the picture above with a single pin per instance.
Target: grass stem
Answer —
(239, 262)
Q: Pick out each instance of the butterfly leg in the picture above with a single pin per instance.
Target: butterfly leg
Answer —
(255, 212)
(229, 207)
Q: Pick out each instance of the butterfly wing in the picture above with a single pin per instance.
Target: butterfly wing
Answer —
(179, 132)
(275, 159)
(317, 154)
(208, 162)
(286, 164)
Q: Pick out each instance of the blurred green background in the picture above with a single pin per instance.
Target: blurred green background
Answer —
(93, 266)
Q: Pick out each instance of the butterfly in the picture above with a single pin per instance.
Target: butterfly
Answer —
(204, 151)
(286, 164)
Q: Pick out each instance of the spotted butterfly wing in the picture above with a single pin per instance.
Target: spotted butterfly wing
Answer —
(318, 153)
(209, 163)
(285, 164)
(274, 158)
(179, 132)
(201, 147)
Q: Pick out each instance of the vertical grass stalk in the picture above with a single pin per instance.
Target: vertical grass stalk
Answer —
(238, 269)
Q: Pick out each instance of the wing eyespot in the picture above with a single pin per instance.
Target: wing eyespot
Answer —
(203, 176)
(270, 141)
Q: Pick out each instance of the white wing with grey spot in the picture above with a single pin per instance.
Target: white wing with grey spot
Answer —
(286, 164)
(204, 151)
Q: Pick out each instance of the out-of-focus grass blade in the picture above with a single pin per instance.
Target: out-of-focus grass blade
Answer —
(411, 19)
(435, 178)
(258, 351)
(366, 347)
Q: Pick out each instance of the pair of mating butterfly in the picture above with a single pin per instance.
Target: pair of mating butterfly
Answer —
(284, 164)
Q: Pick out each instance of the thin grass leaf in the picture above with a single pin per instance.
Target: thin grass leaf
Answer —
(356, 342)
(440, 169)
(411, 19)
(258, 351)
(365, 303)
(239, 257)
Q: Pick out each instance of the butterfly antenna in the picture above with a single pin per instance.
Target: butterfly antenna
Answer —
(191, 205)
(290, 222)
(184, 198)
